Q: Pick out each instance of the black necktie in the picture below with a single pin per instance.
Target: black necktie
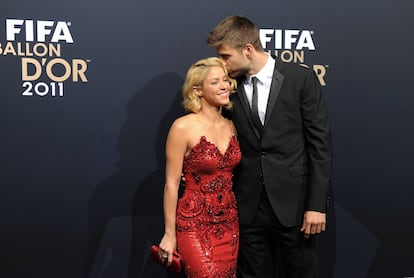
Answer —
(255, 110)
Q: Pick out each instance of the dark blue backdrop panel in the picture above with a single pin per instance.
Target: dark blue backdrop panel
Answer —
(82, 174)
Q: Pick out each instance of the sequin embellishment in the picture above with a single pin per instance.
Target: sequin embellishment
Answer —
(207, 222)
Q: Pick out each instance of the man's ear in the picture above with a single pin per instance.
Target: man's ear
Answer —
(249, 47)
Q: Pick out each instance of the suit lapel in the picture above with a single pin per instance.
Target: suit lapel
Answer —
(246, 107)
(277, 81)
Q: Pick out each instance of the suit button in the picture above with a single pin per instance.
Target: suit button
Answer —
(261, 177)
(263, 154)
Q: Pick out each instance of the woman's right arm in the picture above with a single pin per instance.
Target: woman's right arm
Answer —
(176, 147)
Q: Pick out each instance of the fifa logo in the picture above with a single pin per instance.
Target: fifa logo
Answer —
(39, 44)
(287, 39)
(290, 46)
(38, 30)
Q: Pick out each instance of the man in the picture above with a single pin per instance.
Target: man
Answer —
(282, 181)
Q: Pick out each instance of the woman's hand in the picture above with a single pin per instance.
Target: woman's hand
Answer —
(167, 247)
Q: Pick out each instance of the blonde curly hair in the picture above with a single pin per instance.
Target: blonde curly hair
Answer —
(196, 76)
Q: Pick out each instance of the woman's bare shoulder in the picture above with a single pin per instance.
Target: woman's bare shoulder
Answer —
(183, 123)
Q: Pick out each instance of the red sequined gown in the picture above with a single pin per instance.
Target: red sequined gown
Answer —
(207, 221)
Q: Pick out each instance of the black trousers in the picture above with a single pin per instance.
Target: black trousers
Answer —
(260, 241)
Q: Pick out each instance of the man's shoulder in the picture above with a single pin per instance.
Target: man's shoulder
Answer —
(293, 73)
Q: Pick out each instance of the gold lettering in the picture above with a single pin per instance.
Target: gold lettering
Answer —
(50, 73)
(37, 69)
(27, 50)
(290, 56)
(43, 50)
(79, 68)
(9, 49)
(320, 73)
(54, 50)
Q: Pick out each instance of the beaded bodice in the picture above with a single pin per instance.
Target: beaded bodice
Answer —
(206, 168)
(208, 196)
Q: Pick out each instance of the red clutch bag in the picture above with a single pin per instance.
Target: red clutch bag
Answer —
(177, 264)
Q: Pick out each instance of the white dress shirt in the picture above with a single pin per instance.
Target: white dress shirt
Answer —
(264, 81)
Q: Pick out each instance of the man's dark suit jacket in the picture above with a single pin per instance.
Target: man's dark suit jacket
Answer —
(290, 157)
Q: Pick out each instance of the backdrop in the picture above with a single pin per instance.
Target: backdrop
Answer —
(88, 90)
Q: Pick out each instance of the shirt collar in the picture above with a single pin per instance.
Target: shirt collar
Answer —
(265, 72)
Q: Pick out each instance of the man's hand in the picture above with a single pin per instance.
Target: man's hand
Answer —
(313, 223)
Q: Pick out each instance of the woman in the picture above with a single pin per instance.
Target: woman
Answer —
(203, 224)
